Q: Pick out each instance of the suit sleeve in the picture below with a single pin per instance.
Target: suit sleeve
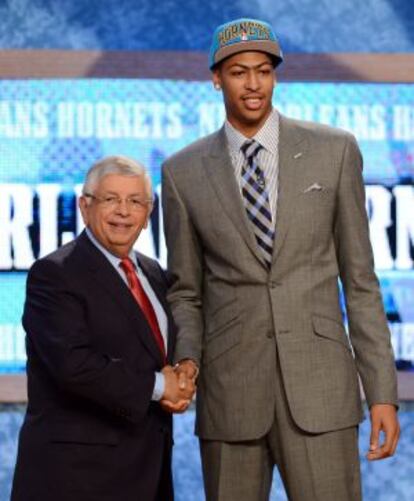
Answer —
(186, 271)
(368, 326)
(55, 322)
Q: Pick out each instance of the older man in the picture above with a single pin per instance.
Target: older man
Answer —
(262, 218)
(99, 340)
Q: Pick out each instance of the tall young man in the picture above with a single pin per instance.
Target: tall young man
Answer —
(261, 219)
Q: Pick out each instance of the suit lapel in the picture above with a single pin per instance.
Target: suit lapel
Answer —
(292, 148)
(220, 173)
(109, 280)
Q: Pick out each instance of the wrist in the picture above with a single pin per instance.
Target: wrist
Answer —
(188, 362)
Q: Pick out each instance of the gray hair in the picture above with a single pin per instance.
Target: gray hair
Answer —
(115, 165)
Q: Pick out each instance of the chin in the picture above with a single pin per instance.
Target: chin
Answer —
(252, 119)
(117, 240)
(255, 115)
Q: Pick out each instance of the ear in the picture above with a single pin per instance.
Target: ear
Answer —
(83, 207)
(216, 79)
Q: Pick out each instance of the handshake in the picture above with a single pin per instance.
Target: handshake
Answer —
(180, 386)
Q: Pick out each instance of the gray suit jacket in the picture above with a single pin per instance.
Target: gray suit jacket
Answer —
(235, 317)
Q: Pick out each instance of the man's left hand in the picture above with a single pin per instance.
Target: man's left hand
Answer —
(175, 408)
(383, 418)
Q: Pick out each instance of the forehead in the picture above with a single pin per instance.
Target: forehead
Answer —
(248, 58)
(118, 183)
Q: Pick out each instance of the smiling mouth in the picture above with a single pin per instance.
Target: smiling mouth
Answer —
(120, 226)
(252, 102)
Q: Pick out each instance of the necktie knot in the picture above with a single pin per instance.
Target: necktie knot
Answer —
(250, 149)
(127, 265)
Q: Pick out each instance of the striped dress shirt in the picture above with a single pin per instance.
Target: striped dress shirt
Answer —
(267, 158)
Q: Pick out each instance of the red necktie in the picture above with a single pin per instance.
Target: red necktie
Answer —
(141, 298)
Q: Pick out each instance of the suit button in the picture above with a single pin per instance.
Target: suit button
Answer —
(269, 334)
(123, 412)
(273, 284)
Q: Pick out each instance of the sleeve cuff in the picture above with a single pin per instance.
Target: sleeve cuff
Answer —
(159, 387)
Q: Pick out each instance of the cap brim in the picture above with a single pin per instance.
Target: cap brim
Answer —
(269, 47)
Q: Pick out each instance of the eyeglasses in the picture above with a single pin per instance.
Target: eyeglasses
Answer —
(112, 201)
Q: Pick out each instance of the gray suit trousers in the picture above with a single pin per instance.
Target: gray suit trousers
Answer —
(313, 467)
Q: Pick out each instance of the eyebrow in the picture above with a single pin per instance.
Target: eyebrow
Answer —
(109, 192)
(248, 67)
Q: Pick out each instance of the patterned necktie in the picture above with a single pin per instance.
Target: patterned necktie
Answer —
(256, 199)
(141, 298)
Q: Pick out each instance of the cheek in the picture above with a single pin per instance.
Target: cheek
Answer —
(140, 222)
(144, 222)
(232, 101)
(102, 225)
(232, 90)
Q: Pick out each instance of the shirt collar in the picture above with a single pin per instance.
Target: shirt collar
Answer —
(265, 136)
(114, 260)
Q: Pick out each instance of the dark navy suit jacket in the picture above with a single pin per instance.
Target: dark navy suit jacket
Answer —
(91, 431)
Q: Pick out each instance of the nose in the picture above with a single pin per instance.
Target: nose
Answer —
(123, 207)
(252, 81)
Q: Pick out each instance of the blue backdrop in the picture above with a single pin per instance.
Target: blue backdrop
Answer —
(46, 147)
(303, 26)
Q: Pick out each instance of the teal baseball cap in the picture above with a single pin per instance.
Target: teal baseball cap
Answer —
(243, 35)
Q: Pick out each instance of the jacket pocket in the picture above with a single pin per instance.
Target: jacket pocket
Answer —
(330, 329)
(222, 314)
(69, 433)
(221, 340)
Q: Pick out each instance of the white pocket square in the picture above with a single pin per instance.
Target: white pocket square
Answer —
(313, 187)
